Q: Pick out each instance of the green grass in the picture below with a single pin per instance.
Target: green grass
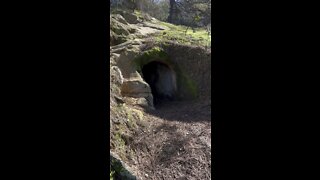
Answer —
(138, 13)
(184, 35)
(112, 174)
(115, 169)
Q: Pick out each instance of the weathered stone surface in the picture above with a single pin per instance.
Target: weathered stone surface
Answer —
(122, 170)
(117, 39)
(119, 28)
(146, 17)
(130, 17)
(135, 88)
(116, 75)
(119, 18)
(146, 102)
(113, 59)
(155, 26)
(199, 59)
(116, 55)
(125, 62)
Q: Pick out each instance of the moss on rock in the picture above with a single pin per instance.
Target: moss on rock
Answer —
(154, 54)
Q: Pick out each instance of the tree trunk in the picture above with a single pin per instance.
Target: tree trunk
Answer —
(172, 11)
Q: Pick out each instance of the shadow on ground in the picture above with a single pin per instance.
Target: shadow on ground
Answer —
(186, 111)
(171, 151)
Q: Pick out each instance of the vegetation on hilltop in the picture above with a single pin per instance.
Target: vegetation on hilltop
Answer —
(193, 13)
(184, 35)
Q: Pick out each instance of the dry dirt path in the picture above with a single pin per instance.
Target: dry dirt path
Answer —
(176, 143)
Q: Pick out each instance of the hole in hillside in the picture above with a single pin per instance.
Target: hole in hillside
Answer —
(162, 81)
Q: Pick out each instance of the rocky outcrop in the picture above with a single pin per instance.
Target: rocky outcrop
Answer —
(119, 18)
(130, 17)
(195, 63)
(120, 30)
(122, 171)
(135, 88)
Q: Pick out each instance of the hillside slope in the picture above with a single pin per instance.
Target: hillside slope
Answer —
(153, 137)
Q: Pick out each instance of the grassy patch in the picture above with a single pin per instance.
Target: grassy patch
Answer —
(120, 142)
(122, 131)
(112, 172)
(115, 169)
(138, 13)
(184, 35)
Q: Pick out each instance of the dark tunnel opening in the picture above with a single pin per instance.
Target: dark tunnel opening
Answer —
(162, 81)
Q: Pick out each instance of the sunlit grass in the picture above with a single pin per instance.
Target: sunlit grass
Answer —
(184, 35)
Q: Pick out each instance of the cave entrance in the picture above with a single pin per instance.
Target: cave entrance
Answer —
(162, 81)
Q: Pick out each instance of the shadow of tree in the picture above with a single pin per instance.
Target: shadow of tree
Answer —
(186, 111)
(172, 147)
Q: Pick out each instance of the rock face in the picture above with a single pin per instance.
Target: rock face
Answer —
(116, 75)
(123, 171)
(138, 89)
(195, 62)
(188, 75)
(133, 84)
(130, 17)
(135, 88)
(123, 51)
(120, 19)
(120, 30)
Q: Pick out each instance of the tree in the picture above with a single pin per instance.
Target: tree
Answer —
(172, 11)
(192, 12)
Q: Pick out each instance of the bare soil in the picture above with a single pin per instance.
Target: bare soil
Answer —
(176, 144)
